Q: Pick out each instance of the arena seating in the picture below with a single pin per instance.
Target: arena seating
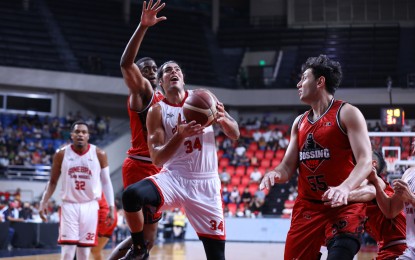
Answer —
(25, 41)
(368, 54)
(48, 36)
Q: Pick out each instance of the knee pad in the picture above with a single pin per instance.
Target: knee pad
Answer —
(139, 194)
(131, 198)
(342, 247)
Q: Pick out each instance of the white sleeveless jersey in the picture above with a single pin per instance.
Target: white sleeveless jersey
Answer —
(80, 174)
(197, 154)
(409, 210)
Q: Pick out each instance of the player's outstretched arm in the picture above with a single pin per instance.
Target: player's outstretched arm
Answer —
(289, 164)
(51, 185)
(133, 78)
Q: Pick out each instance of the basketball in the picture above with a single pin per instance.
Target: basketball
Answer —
(200, 106)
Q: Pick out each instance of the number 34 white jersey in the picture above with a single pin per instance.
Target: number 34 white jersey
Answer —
(197, 154)
(80, 174)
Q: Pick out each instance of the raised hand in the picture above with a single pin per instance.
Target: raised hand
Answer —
(149, 13)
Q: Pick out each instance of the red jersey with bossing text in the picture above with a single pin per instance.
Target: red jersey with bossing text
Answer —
(325, 155)
(382, 229)
(138, 127)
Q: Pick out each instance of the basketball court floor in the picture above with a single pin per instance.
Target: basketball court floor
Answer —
(193, 250)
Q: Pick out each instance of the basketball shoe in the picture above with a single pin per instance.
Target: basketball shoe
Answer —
(135, 253)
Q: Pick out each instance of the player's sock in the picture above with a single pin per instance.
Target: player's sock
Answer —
(138, 239)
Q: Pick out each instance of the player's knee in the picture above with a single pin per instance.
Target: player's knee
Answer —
(214, 249)
(343, 247)
(132, 200)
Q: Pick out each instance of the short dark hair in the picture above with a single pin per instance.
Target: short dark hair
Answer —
(144, 59)
(79, 122)
(160, 69)
(329, 69)
(381, 163)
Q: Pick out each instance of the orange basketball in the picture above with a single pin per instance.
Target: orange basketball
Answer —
(200, 106)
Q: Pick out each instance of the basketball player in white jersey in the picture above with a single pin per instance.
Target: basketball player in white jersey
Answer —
(189, 178)
(85, 175)
(402, 199)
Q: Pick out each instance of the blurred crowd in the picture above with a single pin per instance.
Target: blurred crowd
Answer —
(32, 140)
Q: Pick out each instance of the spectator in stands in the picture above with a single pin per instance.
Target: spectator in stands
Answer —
(235, 196)
(284, 141)
(262, 144)
(226, 212)
(12, 212)
(256, 175)
(70, 119)
(257, 135)
(4, 218)
(240, 149)
(25, 212)
(254, 161)
(226, 195)
(253, 124)
(272, 144)
(246, 197)
(224, 176)
(257, 203)
(35, 212)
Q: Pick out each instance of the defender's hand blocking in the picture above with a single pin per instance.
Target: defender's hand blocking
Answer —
(149, 13)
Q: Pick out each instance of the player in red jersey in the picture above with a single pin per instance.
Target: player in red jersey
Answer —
(107, 222)
(330, 147)
(140, 77)
(389, 233)
(402, 200)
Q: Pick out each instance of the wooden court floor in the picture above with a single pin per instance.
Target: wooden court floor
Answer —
(193, 250)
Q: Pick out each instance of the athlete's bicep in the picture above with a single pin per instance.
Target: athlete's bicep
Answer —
(102, 157)
(355, 126)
